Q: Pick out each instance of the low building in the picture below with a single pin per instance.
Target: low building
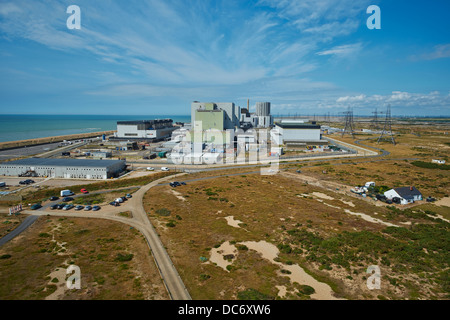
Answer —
(405, 194)
(145, 129)
(297, 134)
(63, 168)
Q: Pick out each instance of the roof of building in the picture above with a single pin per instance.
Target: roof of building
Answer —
(407, 192)
(297, 125)
(63, 162)
(149, 122)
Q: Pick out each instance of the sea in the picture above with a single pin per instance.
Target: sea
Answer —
(14, 127)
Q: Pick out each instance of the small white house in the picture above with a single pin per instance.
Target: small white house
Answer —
(405, 194)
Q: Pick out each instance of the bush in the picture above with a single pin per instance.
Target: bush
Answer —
(306, 290)
(163, 212)
(252, 294)
(124, 257)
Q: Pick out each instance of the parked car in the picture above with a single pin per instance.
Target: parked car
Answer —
(53, 198)
(165, 169)
(79, 207)
(129, 195)
(150, 169)
(87, 208)
(119, 200)
(60, 206)
(36, 206)
(68, 207)
(67, 199)
(183, 183)
(54, 206)
(114, 204)
(84, 191)
(95, 208)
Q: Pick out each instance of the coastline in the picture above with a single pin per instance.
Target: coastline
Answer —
(38, 141)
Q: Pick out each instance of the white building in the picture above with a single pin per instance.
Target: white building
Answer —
(286, 132)
(405, 194)
(145, 129)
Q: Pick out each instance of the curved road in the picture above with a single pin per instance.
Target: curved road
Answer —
(140, 221)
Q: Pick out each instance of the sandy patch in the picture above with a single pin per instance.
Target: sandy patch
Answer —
(178, 195)
(322, 196)
(443, 202)
(270, 252)
(217, 255)
(60, 274)
(369, 218)
(232, 222)
(351, 204)
(281, 291)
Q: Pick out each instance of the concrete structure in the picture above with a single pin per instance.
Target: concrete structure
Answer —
(145, 129)
(221, 116)
(406, 194)
(101, 154)
(265, 120)
(63, 168)
(297, 133)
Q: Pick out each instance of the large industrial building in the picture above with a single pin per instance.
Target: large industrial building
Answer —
(63, 168)
(220, 115)
(145, 129)
(297, 134)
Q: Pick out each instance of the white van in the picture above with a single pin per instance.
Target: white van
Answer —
(65, 193)
(164, 169)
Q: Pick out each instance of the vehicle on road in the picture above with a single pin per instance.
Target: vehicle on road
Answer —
(84, 191)
(95, 208)
(87, 208)
(79, 207)
(165, 169)
(53, 198)
(67, 199)
(36, 206)
(65, 193)
(150, 169)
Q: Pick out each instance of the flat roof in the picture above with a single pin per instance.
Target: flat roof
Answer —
(297, 125)
(63, 162)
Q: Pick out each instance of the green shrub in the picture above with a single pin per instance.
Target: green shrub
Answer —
(124, 257)
(252, 294)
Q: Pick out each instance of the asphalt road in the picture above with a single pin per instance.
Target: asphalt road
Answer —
(22, 227)
(27, 151)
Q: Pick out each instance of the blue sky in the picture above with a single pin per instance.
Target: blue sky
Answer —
(156, 57)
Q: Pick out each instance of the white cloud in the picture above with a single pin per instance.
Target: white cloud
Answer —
(439, 52)
(349, 50)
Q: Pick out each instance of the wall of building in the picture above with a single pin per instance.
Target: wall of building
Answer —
(64, 172)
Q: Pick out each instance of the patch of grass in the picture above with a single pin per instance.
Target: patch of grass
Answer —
(252, 294)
